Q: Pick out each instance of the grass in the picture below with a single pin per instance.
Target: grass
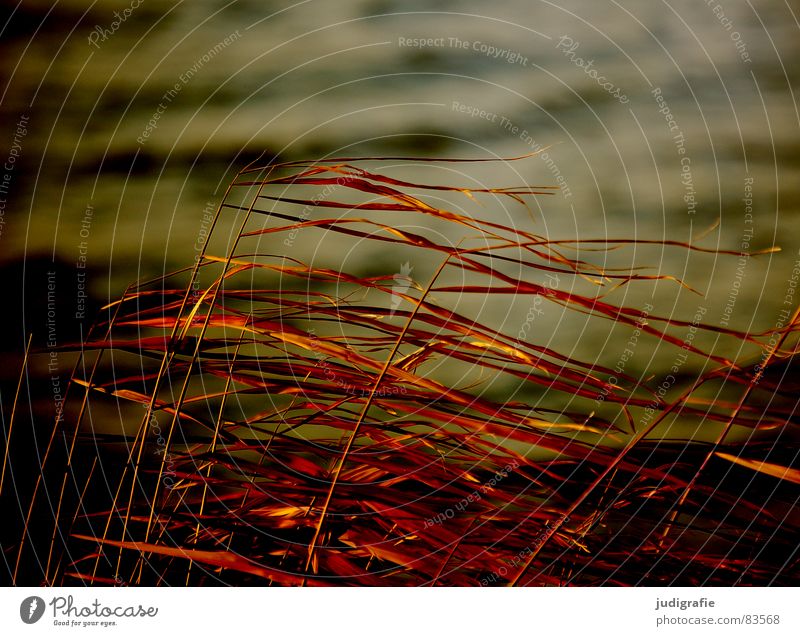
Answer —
(259, 418)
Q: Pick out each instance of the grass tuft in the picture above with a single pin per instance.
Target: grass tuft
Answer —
(284, 414)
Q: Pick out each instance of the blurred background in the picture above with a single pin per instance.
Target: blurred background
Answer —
(122, 123)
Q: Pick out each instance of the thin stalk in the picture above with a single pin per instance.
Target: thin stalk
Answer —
(12, 417)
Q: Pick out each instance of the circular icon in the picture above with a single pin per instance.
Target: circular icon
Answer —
(31, 609)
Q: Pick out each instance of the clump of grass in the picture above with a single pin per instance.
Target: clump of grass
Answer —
(260, 418)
